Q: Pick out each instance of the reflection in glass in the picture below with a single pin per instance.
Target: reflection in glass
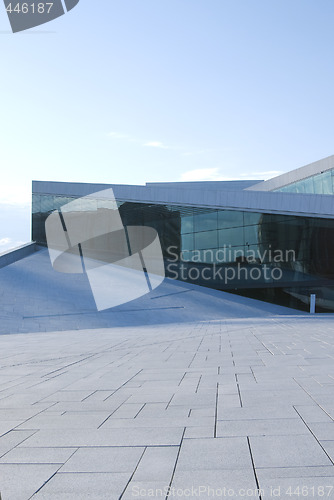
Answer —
(206, 239)
(203, 237)
(187, 224)
(230, 218)
(206, 221)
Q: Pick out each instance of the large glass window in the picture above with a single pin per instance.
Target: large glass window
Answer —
(206, 239)
(187, 224)
(230, 218)
(251, 235)
(187, 241)
(317, 184)
(251, 218)
(47, 203)
(205, 222)
(231, 237)
(60, 201)
(244, 241)
(36, 204)
(327, 183)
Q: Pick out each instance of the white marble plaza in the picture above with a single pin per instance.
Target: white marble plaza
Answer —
(188, 392)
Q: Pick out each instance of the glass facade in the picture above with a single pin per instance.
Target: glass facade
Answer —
(278, 258)
(317, 184)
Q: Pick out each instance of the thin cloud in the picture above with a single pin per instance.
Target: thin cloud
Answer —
(116, 135)
(267, 174)
(203, 174)
(128, 138)
(155, 144)
(4, 241)
(122, 137)
(199, 152)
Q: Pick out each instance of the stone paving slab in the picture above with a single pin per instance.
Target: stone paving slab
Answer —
(210, 454)
(84, 486)
(231, 393)
(105, 459)
(287, 451)
(275, 427)
(106, 437)
(21, 481)
(37, 455)
(225, 483)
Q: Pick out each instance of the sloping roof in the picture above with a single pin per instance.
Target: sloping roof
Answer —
(234, 185)
(310, 205)
(317, 167)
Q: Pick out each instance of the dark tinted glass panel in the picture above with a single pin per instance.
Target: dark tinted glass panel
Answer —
(206, 239)
(230, 218)
(187, 242)
(47, 203)
(60, 201)
(251, 235)
(36, 203)
(327, 183)
(233, 237)
(251, 218)
(205, 222)
(244, 241)
(187, 224)
(317, 184)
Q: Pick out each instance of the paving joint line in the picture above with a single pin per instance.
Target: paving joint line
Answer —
(254, 470)
(216, 412)
(315, 437)
(127, 484)
(177, 458)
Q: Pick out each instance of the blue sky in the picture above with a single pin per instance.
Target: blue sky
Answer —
(131, 91)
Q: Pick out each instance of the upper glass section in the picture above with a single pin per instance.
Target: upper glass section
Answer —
(317, 184)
